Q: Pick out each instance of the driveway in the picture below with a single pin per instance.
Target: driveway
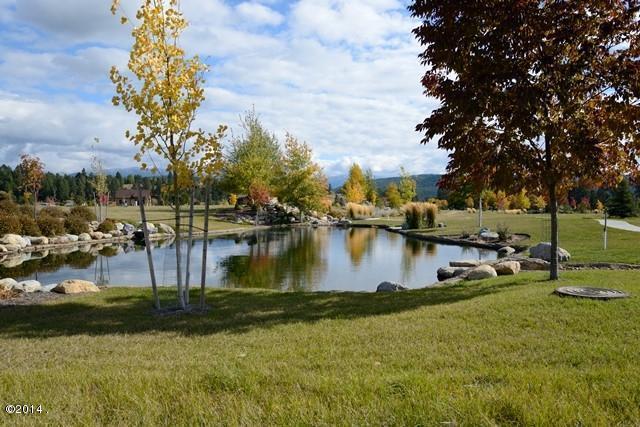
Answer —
(620, 225)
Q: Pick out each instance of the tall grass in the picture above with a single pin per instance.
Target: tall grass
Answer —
(420, 215)
(357, 211)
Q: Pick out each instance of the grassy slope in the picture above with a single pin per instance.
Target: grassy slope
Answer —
(580, 234)
(500, 351)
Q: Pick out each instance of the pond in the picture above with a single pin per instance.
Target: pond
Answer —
(290, 259)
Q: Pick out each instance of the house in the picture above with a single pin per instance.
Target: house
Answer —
(128, 196)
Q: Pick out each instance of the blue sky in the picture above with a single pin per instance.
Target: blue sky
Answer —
(342, 75)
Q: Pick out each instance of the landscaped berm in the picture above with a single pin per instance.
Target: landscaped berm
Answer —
(505, 351)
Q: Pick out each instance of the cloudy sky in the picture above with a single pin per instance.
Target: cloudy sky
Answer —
(342, 75)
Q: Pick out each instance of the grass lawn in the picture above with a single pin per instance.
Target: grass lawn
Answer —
(580, 234)
(502, 351)
(165, 214)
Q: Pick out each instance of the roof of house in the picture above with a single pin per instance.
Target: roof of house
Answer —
(125, 193)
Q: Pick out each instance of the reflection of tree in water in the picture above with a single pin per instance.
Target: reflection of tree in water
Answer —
(290, 260)
(414, 248)
(359, 242)
(50, 263)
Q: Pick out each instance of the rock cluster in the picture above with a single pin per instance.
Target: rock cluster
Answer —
(390, 287)
(64, 287)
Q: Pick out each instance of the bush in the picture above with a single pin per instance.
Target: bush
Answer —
(9, 224)
(357, 211)
(9, 207)
(76, 224)
(420, 215)
(233, 199)
(29, 226)
(52, 211)
(82, 212)
(50, 226)
(107, 226)
(504, 233)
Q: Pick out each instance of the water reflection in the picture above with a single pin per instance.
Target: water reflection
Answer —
(286, 259)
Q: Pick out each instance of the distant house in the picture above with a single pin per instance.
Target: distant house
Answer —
(128, 196)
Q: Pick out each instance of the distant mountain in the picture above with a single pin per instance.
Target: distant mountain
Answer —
(426, 185)
(132, 171)
(336, 181)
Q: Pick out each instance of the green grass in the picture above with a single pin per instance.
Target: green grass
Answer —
(580, 234)
(497, 352)
(165, 214)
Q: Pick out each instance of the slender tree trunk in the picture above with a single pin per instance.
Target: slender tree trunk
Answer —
(189, 243)
(147, 244)
(203, 277)
(553, 208)
(178, 241)
(35, 204)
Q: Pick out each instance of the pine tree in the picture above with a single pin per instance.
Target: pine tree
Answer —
(622, 203)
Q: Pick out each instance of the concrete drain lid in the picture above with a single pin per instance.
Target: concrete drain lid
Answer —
(594, 293)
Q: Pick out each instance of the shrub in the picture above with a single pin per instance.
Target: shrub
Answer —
(357, 211)
(503, 232)
(233, 199)
(9, 224)
(9, 207)
(49, 225)
(52, 211)
(76, 224)
(107, 226)
(82, 212)
(29, 226)
(420, 215)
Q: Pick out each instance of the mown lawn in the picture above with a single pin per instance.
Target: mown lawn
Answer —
(165, 214)
(503, 351)
(580, 234)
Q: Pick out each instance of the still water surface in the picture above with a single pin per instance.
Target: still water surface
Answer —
(296, 259)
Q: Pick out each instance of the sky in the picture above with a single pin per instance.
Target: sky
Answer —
(342, 75)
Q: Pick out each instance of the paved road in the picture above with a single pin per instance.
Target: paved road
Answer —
(621, 225)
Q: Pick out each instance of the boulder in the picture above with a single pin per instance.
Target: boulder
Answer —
(489, 235)
(94, 225)
(12, 248)
(72, 237)
(59, 240)
(530, 264)
(96, 235)
(119, 226)
(445, 273)
(481, 272)
(390, 287)
(128, 229)
(164, 228)
(28, 286)
(40, 240)
(507, 268)
(464, 263)
(107, 235)
(506, 251)
(3, 249)
(14, 240)
(543, 251)
(116, 233)
(75, 287)
(7, 284)
(84, 237)
(48, 288)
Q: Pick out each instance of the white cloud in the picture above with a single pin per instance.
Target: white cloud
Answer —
(342, 75)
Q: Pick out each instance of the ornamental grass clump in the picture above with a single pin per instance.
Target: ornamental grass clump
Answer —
(357, 211)
(420, 215)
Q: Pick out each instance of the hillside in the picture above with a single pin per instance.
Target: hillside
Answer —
(426, 185)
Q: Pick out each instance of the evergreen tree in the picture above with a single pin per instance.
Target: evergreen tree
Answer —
(622, 202)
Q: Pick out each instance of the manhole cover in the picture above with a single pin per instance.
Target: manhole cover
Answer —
(595, 293)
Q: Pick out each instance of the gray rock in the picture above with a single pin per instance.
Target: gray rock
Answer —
(464, 263)
(84, 237)
(29, 286)
(12, 248)
(119, 226)
(107, 236)
(481, 272)
(7, 284)
(390, 287)
(15, 240)
(507, 268)
(506, 251)
(543, 251)
(97, 235)
(128, 229)
(39, 240)
(445, 273)
(48, 288)
(530, 264)
(72, 237)
(3, 249)
(489, 235)
(164, 228)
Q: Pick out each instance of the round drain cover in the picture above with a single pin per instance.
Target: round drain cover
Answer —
(595, 293)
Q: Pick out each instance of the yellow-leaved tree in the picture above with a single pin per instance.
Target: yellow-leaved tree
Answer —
(165, 92)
